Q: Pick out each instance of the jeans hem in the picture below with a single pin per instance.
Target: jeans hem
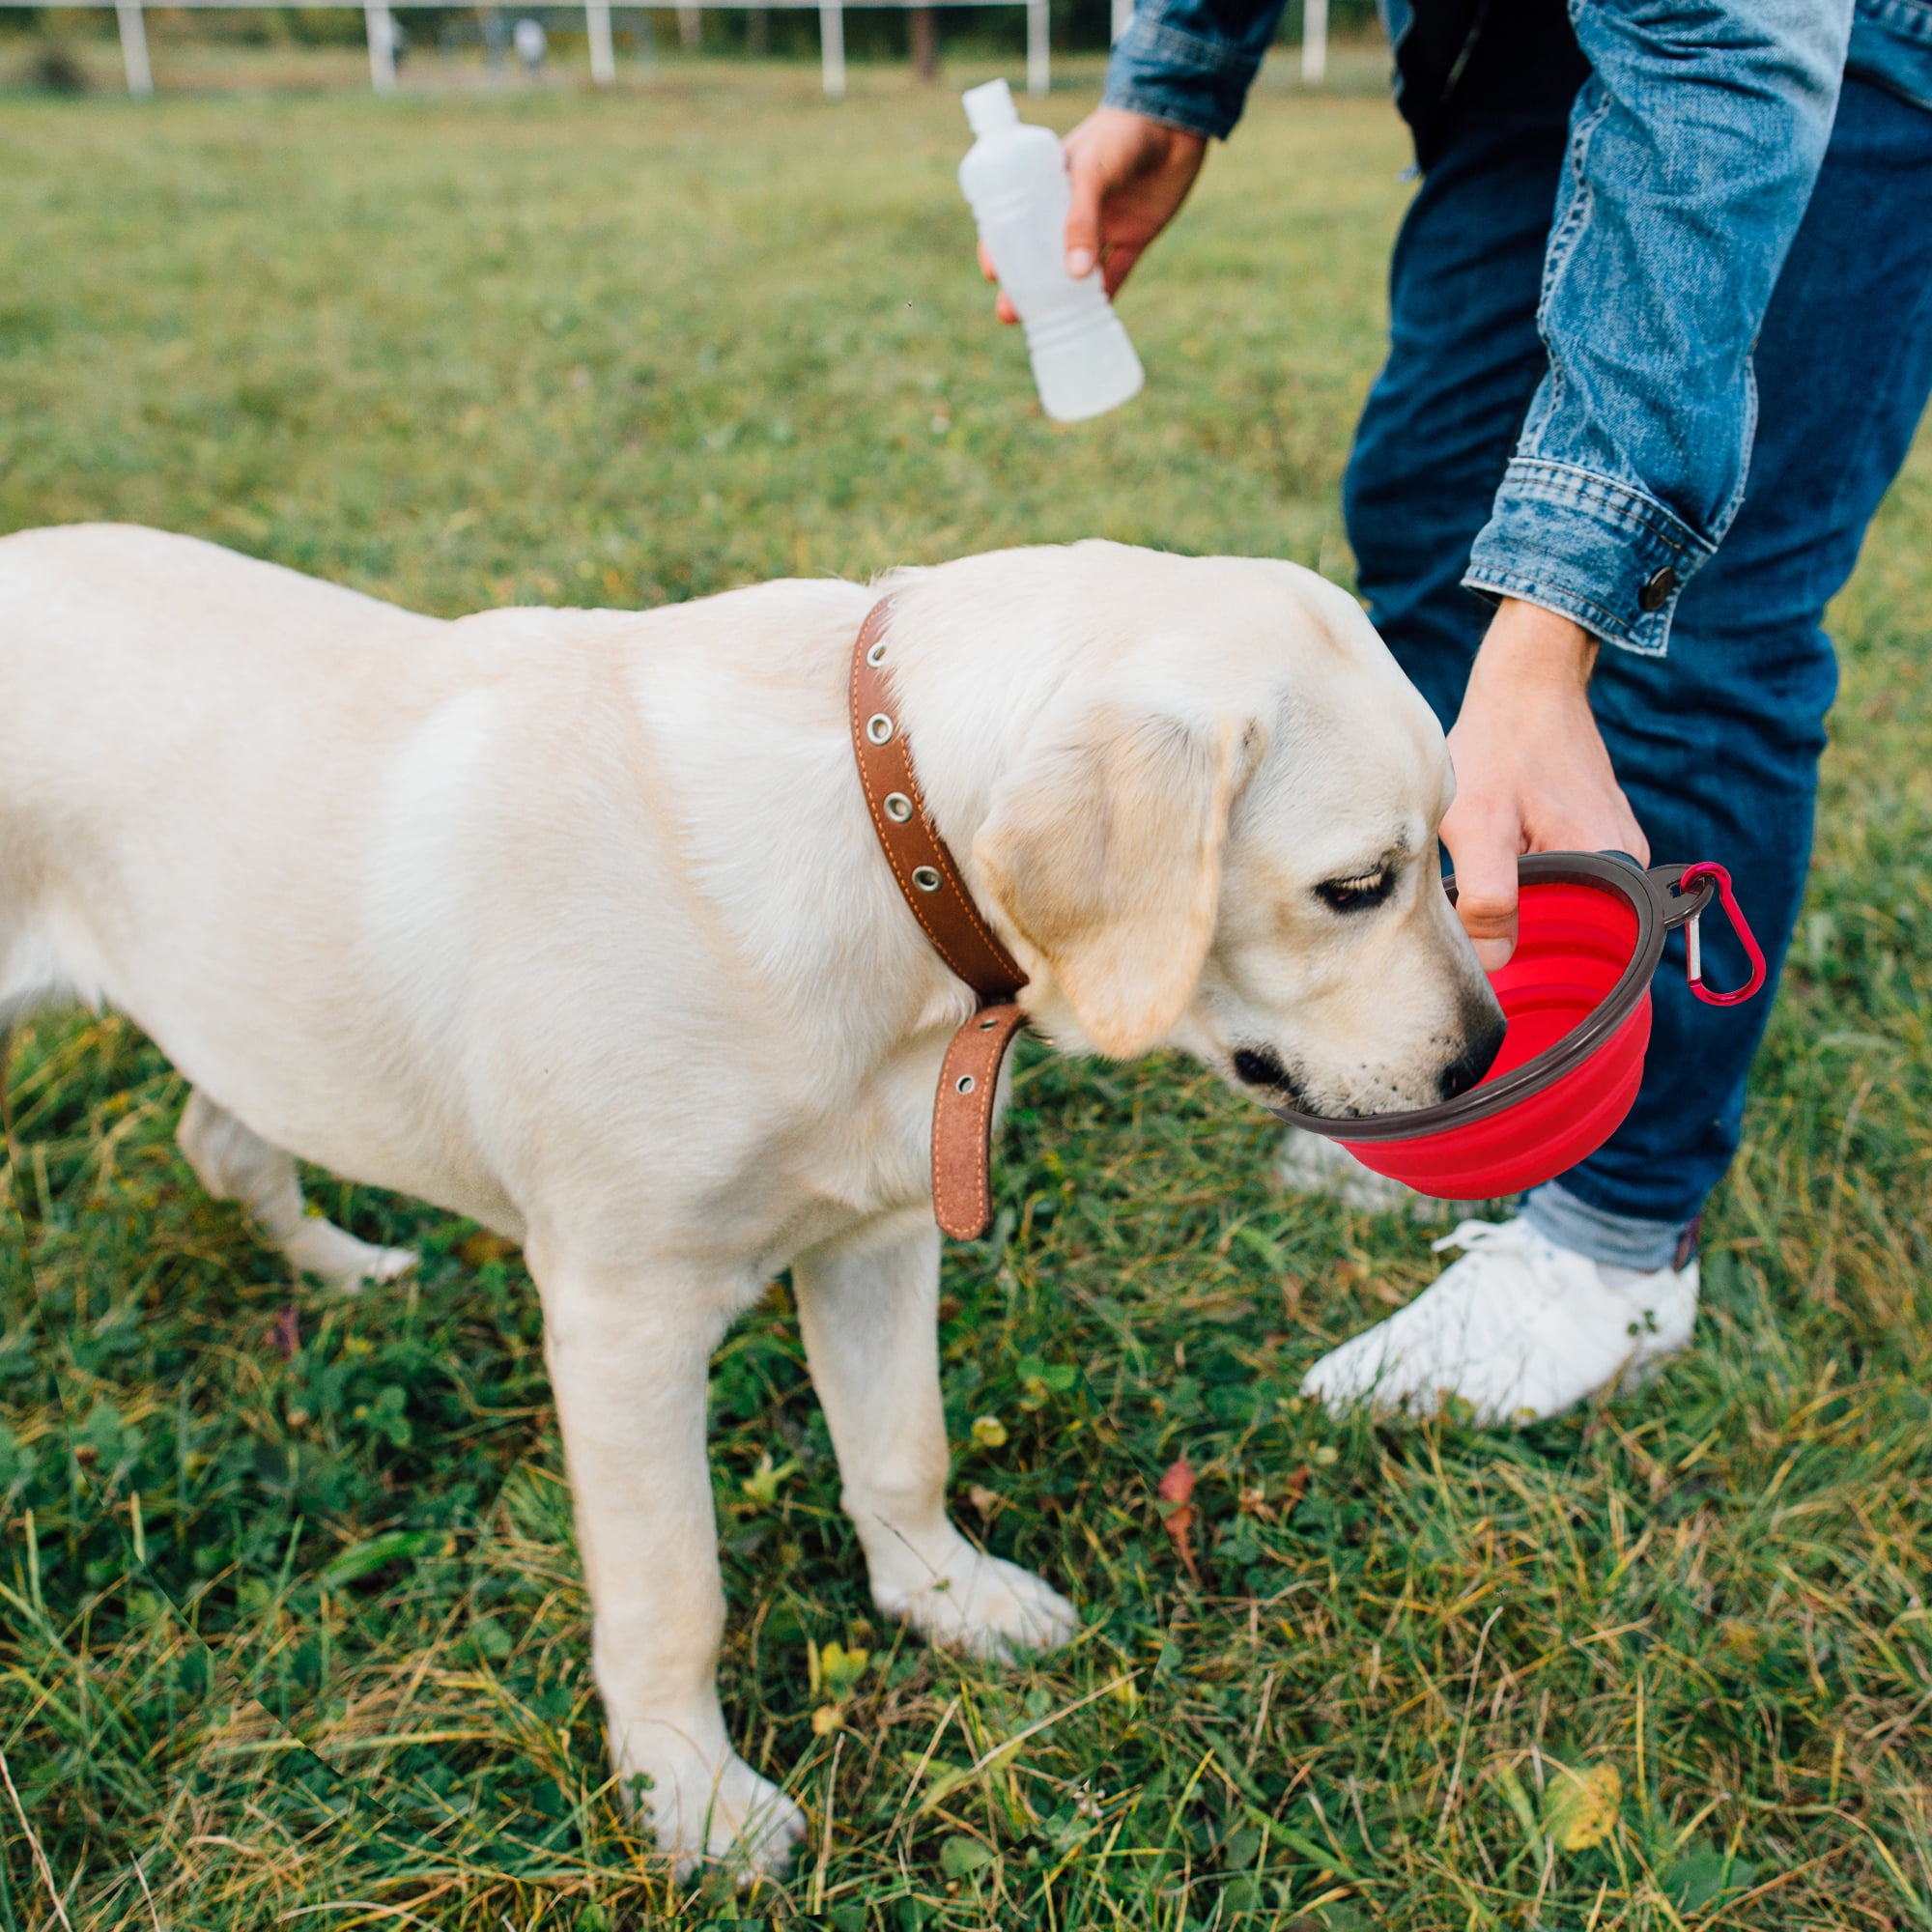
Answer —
(1615, 1240)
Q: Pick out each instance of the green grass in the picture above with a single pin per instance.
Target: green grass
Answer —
(633, 350)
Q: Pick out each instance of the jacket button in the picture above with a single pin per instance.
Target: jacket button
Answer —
(1656, 589)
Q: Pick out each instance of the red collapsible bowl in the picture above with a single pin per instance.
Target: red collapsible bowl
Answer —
(1576, 996)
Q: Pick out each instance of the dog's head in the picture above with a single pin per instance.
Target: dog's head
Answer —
(1220, 835)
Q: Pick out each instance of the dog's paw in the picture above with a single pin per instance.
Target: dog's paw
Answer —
(320, 1247)
(977, 1603)
(717, 1813)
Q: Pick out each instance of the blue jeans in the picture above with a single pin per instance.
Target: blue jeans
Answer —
(1716, 744)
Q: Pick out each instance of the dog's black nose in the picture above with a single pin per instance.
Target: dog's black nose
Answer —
(1259, 1067)
(1486, 1040)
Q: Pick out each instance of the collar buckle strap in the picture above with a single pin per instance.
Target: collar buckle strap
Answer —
(930, 884)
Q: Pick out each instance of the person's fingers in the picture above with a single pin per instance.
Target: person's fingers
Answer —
(1491, 923)
(1083, 215)
(1003, 307)
(1633, 842)
(1601, 823)
(1485, 856)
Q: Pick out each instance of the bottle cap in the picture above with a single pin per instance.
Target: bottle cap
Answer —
(991, 110)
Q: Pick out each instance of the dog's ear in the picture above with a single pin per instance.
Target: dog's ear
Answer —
(1104, 849)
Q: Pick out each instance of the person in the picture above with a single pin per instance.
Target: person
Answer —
(1661, 336)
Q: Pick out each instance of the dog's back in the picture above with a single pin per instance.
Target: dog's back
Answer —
(337, 858)
(126, 655)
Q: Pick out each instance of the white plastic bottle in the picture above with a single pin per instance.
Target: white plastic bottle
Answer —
(1014, 178)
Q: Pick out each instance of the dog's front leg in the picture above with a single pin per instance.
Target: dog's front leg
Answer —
(869, 1315)
(628, 1363)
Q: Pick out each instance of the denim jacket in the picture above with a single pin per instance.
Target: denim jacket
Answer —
(1695, 141)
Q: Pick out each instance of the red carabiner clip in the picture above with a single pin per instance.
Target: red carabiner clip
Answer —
(1694, 876)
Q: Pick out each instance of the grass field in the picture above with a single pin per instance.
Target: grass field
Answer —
(291, 1626)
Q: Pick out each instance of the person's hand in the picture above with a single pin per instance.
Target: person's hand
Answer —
(1531, 771)
(1130, 175)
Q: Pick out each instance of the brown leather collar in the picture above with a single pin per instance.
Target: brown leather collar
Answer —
(929, 882)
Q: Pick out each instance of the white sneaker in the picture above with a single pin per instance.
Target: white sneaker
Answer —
(1518, 1328)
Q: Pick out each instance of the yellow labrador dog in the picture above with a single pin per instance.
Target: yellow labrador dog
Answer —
(574, 922)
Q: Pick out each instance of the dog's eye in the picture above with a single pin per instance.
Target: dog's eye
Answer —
(1369, 889)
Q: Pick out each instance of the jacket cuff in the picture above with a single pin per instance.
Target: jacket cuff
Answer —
(1178, 78)
(1610, 556)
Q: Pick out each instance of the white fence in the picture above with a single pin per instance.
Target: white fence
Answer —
(382, 35)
